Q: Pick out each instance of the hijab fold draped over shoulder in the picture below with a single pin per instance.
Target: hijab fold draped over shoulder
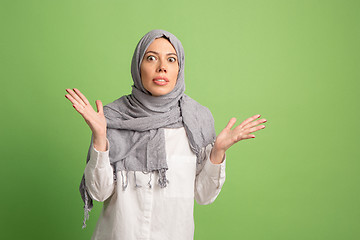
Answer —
(136, 122)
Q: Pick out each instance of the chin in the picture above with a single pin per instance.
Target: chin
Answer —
(159, 93)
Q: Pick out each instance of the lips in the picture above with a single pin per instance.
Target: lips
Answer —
(161, 81)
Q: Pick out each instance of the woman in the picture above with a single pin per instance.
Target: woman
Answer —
(152, 152)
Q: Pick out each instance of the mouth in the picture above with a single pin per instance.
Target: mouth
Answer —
(161, 81)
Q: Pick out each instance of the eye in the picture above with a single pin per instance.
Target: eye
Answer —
(172, 59)
(151, 58)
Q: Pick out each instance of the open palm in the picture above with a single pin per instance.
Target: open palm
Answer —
(95, 120)
(228, 137)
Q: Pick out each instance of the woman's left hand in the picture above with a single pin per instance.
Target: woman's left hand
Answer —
(228, 137)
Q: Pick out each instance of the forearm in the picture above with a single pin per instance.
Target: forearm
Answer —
(99, 178)
(209, 180)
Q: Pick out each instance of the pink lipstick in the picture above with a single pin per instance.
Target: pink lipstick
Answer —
(161, 81)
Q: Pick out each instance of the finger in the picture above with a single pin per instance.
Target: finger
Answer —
(99, 107)
(254, 129)
(254, 123)
(78, 107)
(248, 136)
(250, 119)
(231, 123)
(81, 96)
(76, 97)
(71, 99)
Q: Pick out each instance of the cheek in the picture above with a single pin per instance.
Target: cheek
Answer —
(144, 74)
(175, 74)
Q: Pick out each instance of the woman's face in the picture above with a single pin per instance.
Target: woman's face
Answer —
(159, 67)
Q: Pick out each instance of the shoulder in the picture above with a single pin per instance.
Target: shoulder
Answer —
(189, 104)
(199, 120)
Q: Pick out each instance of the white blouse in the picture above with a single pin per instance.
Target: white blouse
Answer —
(139, 212)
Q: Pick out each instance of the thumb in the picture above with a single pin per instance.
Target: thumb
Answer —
(231, 123)
(99, 106)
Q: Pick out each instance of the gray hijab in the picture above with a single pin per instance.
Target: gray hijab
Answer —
(136, 122)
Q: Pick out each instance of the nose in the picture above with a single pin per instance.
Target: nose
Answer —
(161, 67)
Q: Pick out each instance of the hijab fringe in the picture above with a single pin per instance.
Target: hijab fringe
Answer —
(124, 182)
(136, 185)
(162, 178)
(86, 210)
(149, 183)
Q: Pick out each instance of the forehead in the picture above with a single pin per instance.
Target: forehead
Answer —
(161, 45)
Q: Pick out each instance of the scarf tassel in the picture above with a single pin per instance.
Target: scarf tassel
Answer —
(162, 178)
(162, 181)
(86, 210)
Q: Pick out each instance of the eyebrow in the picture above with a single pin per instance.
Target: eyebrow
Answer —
(158, 53)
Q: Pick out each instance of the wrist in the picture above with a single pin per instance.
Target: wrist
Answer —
(99, 134)
(100, 143)
(217, 156)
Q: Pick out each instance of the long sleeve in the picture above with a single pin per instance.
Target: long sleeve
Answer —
(209, 180)
(99, 178)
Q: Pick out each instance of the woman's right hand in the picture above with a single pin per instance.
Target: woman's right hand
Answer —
(95, 120)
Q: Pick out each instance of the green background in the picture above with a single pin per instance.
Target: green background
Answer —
(295, 62)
